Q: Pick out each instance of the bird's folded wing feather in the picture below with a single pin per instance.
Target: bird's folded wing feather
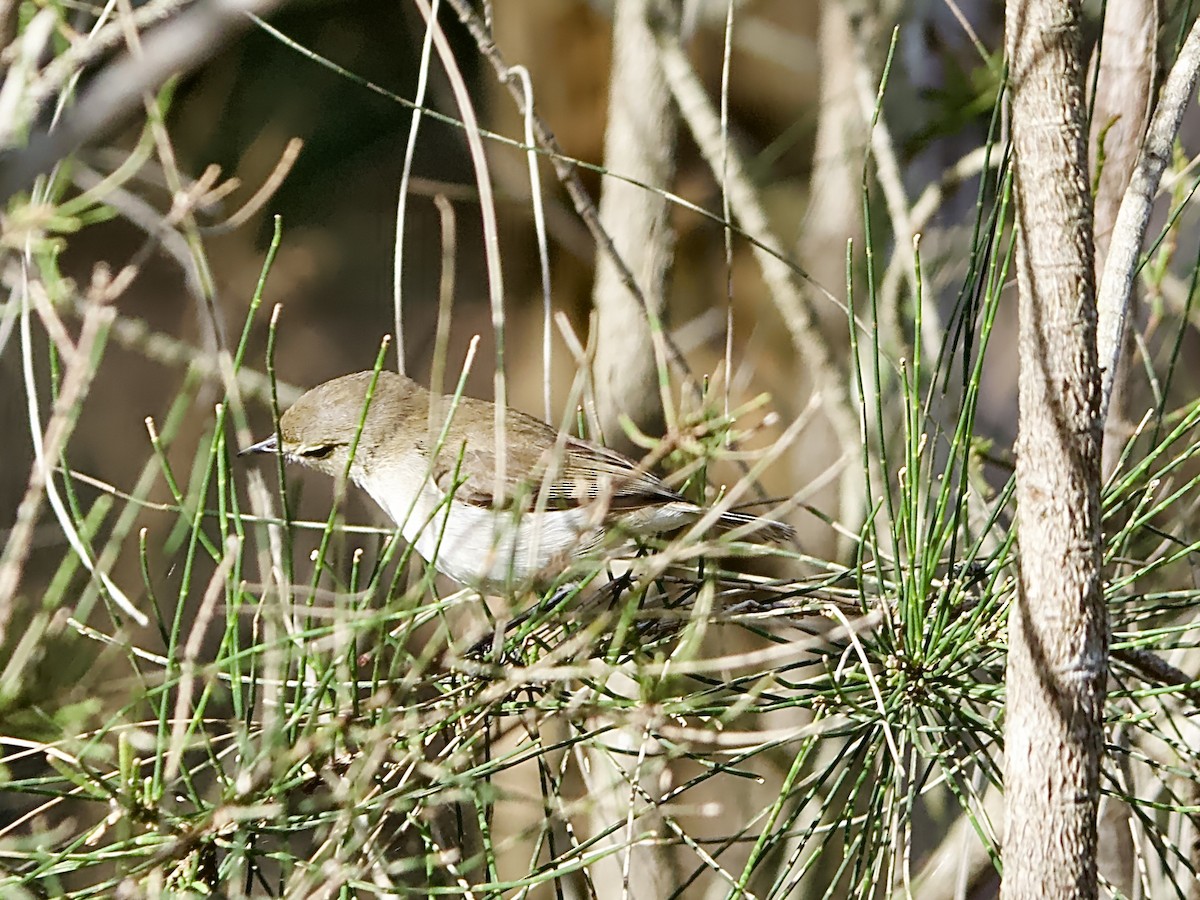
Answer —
(575, 474)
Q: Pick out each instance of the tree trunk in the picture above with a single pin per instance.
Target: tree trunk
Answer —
(1057, 660)
(639, 144)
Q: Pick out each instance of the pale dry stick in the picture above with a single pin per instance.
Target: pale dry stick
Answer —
(1190, 838)
(176, 46)
(852, 635)
(491, 238)
(34, 748)
(726, 213)
(55, 330)
(136, 498)
(272, 183)
(539, 227)
(566, 169)
(1121, 108)
(157, 659)
(898, 846)
(736, 743)
(183, 201)
(549, 671)
(410, 150)
(634, 785)
(14, 94)
(10, 313)
(583, 364)
(8, 24)
(786, 289)
(47, 448)
(191, 653)
(138, 212)
(60, 72)
(67, 94)
(984, 55)
(135, 334)
(1125, 248)
(441, 337)
(1175, 177)
(554, 466)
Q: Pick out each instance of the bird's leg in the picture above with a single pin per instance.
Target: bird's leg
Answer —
(495, 641)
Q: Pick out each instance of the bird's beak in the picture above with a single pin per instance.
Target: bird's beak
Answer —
(267, 445)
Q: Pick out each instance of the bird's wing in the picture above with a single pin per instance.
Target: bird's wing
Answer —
(575, 474)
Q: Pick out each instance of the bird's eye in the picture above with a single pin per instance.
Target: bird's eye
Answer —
(318, 452)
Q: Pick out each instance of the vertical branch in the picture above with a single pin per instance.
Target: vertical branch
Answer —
(566, 170)
(1125, 69)
(1120, 112)
(787, 287)
(639, 143)
(491, 235)
(1057, 658)
(402, 199)
(1121, 107)
(1129, 231)
(629, 365)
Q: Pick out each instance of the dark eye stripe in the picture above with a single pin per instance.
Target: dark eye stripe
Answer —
(318, 452)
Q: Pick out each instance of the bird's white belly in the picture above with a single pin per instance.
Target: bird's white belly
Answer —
(478, 545)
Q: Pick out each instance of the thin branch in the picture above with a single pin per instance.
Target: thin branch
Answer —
(787, 290)
(175, 47)
(1125, 249)
(410, 149)
(491, 236)
(565, 169)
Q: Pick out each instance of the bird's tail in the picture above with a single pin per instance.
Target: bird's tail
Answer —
(757, 527)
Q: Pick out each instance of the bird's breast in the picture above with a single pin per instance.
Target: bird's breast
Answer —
(478, 545)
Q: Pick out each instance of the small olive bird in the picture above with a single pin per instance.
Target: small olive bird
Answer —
(559, 498)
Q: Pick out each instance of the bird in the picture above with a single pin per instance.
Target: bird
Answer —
(558, 499)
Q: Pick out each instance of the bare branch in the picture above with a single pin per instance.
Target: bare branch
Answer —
(787, 290)
(1116, 286)
(565, 169)
(175, 47)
